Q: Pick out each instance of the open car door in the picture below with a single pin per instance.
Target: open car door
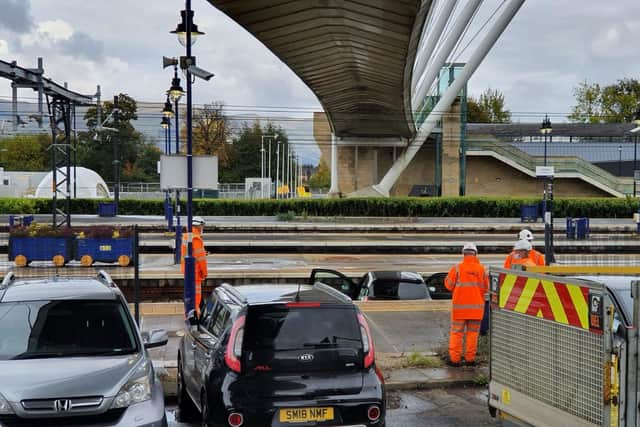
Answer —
(336, 280)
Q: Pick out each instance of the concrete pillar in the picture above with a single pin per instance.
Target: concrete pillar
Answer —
(451, 152)
(335, 187)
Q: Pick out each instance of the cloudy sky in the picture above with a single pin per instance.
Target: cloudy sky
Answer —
(549, 48)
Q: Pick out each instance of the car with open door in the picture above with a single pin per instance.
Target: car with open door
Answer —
(375, 285)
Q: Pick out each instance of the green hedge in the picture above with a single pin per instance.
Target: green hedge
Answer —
(378, 207)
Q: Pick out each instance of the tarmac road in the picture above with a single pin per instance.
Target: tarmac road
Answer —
(455, 407)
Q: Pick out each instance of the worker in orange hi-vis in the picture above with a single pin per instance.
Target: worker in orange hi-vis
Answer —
(469, 282)
(520, 255)
(200, 257)
(534, 255)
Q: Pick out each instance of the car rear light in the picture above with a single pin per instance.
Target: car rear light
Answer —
(302, 304)
(234, 346)
(235, 419)
(367, 341)
(373, 413)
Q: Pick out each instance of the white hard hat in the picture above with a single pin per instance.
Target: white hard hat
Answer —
(198, 221)
(469, 247)
(525, 235)
(522, 245)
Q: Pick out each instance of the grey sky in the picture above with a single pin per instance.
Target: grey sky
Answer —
(15, 15)
(549, 48)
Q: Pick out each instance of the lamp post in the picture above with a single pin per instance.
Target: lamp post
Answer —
(636, 121)
(165, 124)
(187, 32)
(277, 167)
(549, 256)
(545, 129)
(116, 154)
(619, 160)
(262, 137)
(175, 93)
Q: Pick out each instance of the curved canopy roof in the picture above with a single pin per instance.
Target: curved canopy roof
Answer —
(357, 56)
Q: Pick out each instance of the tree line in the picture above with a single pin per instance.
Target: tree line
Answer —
(238, 150)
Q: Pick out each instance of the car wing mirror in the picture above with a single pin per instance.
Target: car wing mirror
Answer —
(155, 338)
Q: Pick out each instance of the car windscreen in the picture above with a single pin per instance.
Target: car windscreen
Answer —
(282, 328)
(395, 289)
(40, 329)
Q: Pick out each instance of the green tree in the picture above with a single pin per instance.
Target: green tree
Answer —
(615, 103)
(321, 178)
(489, 108)
(245, 158)
(25, 153)
(95, 150)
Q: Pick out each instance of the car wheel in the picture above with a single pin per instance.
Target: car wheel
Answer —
(206, 412)
(188, 410)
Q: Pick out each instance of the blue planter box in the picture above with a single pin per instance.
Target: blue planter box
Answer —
(40, 248)
(106, 209)
(528, 213)
(105, 250)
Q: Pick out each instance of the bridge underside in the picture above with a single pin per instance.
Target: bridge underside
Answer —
(357, 56)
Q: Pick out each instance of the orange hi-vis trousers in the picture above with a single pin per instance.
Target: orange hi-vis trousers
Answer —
(467, 330)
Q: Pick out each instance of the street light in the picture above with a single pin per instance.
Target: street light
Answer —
(165, 124)
(277, 167)
(262, 169)
(545, 129)
(275, 137)
(187, 32)
(636, 121)
(619, 160)
(167, 111)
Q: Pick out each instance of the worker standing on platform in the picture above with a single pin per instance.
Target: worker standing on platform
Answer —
(199, 255)
(468, 281)
(536, 257)
(520, 255)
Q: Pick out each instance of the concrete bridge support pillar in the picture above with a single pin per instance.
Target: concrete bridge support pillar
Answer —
(334, 190)
(451, 152)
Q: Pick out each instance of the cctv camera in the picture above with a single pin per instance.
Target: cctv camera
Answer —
(200, 73)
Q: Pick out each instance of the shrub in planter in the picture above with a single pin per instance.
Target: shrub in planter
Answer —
(40, 242)
(104, 244)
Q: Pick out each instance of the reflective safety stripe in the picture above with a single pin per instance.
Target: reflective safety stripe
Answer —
(469, 285)
(468, 306)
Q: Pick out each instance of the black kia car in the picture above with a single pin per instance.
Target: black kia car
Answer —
(280, 355)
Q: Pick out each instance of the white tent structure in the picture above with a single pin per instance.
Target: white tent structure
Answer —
(90, 185)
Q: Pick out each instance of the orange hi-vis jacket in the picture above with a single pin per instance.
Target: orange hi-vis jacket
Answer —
(199, 254)
(536, 259)
(468, 281)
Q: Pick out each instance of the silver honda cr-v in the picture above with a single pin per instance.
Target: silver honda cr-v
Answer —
(71, 354)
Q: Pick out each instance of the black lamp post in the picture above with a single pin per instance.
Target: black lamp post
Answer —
(545, 129)
(636, 121)
(187, 32)
(619, 160)
(175, 93)
(165, 124)
(549, 256)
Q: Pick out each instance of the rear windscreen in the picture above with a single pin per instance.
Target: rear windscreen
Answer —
(282, 328)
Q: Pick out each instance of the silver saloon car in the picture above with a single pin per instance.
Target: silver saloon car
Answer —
(71, 354)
